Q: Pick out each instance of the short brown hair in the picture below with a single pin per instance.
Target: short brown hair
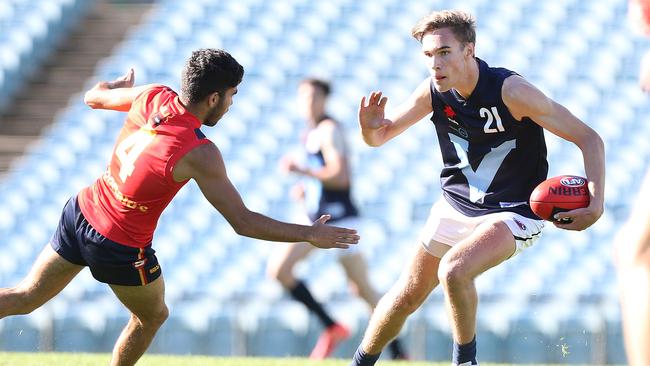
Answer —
(461, 23)
(321, 84)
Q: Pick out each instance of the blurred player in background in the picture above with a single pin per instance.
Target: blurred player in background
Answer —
(326, 188)
(633, 240)
(489, 123)
(109, 225)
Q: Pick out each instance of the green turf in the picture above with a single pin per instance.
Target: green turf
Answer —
(86, 359)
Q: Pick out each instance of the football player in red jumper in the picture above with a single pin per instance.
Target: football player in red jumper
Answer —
(109, 225)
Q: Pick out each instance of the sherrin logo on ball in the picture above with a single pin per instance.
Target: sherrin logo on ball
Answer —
(558, 194)
(572, 181)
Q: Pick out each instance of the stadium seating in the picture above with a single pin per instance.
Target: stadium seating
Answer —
(558, 295)
(29, 32)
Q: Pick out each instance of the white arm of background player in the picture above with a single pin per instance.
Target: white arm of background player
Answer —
(525, 100)
(376, 128)
(334, 173)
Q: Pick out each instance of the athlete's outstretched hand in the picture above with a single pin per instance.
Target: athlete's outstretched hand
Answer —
(326, 237)
(371, 115)
(125, 81)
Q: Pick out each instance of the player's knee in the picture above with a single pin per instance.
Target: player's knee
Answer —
(280, 273)
(272, 271)
(154, 319)
(451, 273)
(161, 316)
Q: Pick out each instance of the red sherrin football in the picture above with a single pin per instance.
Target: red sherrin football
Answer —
(558, 194)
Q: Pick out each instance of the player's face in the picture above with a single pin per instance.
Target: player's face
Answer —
(219, 109)
(446, 58)
(311, 101)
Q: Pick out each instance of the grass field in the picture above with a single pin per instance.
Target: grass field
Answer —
(86, 359)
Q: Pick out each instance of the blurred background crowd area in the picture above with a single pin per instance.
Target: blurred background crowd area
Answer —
(558, 295)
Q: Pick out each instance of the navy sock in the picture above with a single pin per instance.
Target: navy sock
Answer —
(464, 353)
(301, 293)
(363, 359)
(396, 349)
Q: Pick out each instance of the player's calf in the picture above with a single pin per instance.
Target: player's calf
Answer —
(403, 302)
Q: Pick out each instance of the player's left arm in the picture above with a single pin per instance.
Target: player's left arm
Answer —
(525, 100)
(334, 173)
(117, 95)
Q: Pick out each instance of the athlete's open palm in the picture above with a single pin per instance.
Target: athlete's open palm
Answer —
(371, 115)
(125, 81)
(325, 236)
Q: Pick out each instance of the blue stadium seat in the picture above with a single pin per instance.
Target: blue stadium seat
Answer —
(25, 333)
(80, 329)
(532, 338)
(276, 331)
(30, 32)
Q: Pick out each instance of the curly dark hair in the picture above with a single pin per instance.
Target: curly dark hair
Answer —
(209, 70)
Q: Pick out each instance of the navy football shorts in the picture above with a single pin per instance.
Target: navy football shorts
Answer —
(109, 262)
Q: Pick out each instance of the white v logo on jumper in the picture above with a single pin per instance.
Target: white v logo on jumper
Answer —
(480, 179)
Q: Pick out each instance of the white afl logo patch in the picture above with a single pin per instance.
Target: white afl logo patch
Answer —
(572, 181)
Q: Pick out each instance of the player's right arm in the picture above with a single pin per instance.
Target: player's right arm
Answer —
(376, 128)
(117, 95)
(525, 100)
(205, 165)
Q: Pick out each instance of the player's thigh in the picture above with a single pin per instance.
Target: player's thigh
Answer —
(444, 228)
(355, 267)
(145, 302)
(491, 243)
(419, 277)
(48, 276)
(285, 256)
(356, 270)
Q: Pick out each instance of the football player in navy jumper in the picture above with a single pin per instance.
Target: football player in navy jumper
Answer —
(489, 122)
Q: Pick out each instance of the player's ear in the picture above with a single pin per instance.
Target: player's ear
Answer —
(469, 49)
(213, 99)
